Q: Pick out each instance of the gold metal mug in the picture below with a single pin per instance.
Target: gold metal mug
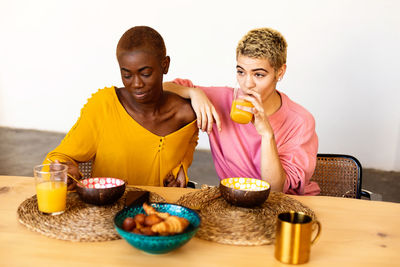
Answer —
(293, 237)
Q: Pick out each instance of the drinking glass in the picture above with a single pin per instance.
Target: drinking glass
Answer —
(239, 115)
(51, 187)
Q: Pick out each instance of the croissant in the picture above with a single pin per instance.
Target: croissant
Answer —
(171, 225)
(150, 210)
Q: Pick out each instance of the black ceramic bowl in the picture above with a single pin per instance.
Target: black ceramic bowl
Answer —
(101, 191)
(244, 192)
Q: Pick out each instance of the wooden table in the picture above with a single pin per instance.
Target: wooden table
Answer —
(354, 233)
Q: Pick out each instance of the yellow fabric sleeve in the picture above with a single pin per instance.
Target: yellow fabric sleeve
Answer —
(188, 158)
(79, 145)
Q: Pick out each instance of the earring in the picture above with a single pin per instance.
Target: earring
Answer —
(279, 79)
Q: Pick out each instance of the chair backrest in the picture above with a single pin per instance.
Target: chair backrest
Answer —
(338, 175)
(86, 169)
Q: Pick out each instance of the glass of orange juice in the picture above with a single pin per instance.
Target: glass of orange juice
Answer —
(51, 187)
(239, 115)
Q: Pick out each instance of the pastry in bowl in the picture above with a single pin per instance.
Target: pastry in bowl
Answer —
(157, 228)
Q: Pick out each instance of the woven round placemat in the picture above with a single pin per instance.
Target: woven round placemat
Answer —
(80, 222)
(224, 223)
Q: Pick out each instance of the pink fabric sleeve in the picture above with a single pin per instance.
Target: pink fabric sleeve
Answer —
(298, 158)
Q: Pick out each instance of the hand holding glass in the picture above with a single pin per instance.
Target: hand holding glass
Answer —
(51, 187)
(239, 115)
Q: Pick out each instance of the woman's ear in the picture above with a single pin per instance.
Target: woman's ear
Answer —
(281, 72)
(165, 64)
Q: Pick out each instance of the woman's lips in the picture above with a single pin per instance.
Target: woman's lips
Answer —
(141, 94)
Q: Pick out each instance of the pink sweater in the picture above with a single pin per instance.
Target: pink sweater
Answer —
(236, 150)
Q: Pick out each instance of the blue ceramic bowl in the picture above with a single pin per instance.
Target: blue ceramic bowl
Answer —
(158, 244)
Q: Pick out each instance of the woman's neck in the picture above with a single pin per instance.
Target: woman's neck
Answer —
(272, 103)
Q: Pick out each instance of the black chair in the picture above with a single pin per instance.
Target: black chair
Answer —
(339, 176)
(86, 169)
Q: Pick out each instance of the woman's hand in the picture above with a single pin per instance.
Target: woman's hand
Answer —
(179, 181)
(202, 106)
(73, 170)
(271, 166)
(204, 109)
(260, 119)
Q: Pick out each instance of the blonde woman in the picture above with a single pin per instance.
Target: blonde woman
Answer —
(280, 144)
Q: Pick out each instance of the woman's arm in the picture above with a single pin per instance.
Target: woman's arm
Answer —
(202, 106)
(271, 166)
(272, 170)
(182, 91)
(79, 145)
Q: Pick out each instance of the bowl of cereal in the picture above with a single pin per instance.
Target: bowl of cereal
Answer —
(101, 190)
(244, 192)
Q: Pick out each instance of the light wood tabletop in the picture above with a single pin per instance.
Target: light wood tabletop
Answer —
(354, 233)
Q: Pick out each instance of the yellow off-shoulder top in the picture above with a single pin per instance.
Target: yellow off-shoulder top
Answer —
(121, 147)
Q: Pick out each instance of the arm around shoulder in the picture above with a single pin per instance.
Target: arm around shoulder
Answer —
(205, 111)
(184, 88)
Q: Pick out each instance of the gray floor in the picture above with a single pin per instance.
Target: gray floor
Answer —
(20, 150)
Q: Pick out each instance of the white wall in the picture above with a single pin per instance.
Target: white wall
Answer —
(343, 60)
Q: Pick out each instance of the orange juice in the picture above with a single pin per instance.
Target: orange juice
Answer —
(241, 116)
(51, 196)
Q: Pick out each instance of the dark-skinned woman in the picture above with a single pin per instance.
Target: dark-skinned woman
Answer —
(138, 132)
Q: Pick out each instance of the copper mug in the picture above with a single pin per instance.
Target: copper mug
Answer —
(293, 237)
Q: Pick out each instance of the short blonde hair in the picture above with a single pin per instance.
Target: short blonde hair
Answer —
(265, 43)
